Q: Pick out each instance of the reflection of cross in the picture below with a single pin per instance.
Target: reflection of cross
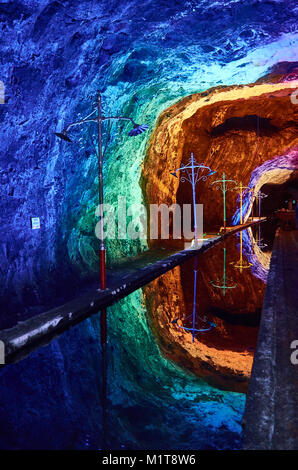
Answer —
(221, 283)
(240, 264)
(194, 307)
(193, 172)
(259, 241)
(223, 186)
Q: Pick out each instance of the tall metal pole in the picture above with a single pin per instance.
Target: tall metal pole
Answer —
(102, 254)
(102, 261)
(241, 219)
(137, 129)
(194, 196)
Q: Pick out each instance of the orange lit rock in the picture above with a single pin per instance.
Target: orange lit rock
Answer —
(220, 127)
(224, 355)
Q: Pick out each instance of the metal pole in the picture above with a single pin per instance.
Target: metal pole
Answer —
(194, 197)
(224, 200)
(241, 257)
(102, 261)
(102, 254)
(252, 207)
(259, 228)
(241, 203)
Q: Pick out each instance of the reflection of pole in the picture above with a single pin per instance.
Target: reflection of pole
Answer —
(224, 271)
(193, 329)
(240, 264)
(224, 282)
(194, 300)
(103, 339)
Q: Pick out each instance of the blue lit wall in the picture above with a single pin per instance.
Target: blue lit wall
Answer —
(55, 55)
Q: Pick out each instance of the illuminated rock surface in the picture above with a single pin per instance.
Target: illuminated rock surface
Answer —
(146, 58)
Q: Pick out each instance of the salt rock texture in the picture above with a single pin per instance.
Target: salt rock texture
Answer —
(220, 127)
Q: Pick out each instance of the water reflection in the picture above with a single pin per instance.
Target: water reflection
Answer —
(54, 400)
(257, 247)
(224, 282)
(199, 324)
(241, 263)
(223, 355)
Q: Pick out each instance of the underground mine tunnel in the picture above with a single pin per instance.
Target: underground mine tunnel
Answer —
(129, 342)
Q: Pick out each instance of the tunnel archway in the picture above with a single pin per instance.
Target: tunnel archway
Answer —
(280, 195)
(250, 133)
(231, 129)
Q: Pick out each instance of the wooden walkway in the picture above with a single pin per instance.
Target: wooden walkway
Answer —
(271, 415)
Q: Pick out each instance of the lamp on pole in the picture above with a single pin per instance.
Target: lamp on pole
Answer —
(223, 186)
(193, 172)
(241, 190)
(99, 119)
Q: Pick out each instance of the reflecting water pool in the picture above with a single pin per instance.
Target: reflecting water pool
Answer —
(179, 356)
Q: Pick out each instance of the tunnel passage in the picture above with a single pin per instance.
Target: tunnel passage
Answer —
(230, 129)
(250, 134)
(280, 195)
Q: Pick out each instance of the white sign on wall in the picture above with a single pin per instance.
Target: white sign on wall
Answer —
(35, 223)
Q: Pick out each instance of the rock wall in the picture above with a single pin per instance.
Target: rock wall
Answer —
(54, 56)
(233, 130)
